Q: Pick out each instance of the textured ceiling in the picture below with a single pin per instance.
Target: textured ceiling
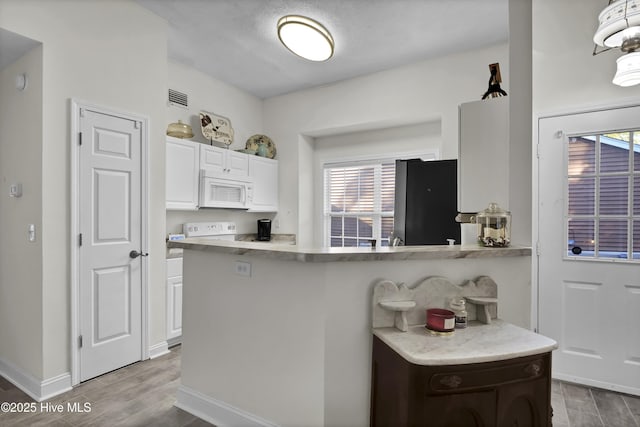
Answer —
(235, 41)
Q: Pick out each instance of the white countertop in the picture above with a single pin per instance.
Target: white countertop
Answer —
(475, 344)
(295, 253)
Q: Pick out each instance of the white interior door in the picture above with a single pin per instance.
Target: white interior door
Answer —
(110, 280)
(589, 246)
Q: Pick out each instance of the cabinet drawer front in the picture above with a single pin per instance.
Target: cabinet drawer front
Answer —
(174, 267)
(487, 377)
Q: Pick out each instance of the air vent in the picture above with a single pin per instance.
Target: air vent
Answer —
(178, 99)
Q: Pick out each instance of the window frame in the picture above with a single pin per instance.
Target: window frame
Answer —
(377, 214)
(630, 217)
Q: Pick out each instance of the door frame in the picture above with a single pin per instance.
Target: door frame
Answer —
(76, 106)
(535, 265)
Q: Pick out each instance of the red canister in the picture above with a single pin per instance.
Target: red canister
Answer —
(441, 320)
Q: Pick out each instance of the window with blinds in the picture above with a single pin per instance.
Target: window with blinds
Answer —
(603, 186)
(358, 203)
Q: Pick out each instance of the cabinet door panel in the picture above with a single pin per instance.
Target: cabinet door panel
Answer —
(237, 163)
(212, 158)
(483, 159)
(182, 174)
(264, 173)
(174, 307)
(524, 404)
(464, 409)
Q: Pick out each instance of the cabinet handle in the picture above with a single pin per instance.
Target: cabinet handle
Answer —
(534, 369)
(451, 381)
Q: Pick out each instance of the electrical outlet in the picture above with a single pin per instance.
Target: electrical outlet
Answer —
(243, 268)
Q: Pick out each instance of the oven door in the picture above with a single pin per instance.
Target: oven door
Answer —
(222, 192)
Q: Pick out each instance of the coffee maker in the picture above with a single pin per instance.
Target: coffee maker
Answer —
(264, 230)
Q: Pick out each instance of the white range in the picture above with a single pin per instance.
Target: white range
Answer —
(210, 230)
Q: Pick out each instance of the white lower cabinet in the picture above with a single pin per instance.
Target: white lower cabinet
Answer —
(174, 300)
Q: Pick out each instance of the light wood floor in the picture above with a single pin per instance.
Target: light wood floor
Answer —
(143, 394)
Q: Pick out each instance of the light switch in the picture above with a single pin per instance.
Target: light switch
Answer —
(32, 232)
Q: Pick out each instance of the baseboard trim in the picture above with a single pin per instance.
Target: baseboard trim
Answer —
(215, 411)
(598, 384)
(171, 342)
(158, 350)
(36, 389)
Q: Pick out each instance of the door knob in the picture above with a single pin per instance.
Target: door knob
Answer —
(135, 254)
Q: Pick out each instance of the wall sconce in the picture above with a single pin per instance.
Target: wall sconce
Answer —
(619, 27)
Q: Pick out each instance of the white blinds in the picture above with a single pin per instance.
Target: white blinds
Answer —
(358, 203)
(360, 189)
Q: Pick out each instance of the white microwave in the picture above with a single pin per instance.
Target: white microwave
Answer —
(223, 191)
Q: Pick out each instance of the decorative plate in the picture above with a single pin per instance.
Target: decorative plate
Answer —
(216, 128)
(254, 141)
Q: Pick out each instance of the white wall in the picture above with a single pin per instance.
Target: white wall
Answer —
(245, 112)
(107, 53)
(300, 351)
(21, 260)
(520, 149)
(423, 92)
(566, 76)
(406, 142)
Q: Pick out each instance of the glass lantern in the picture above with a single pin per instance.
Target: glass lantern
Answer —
(494, 227)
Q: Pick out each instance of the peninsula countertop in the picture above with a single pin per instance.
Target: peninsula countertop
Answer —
(475, 344)
(288, 252)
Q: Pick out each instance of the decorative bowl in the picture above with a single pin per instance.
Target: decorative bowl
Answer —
(180, 130)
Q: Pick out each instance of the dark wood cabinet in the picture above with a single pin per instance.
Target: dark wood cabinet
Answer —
(513, 392)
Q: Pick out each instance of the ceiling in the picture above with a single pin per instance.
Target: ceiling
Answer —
(13, 46)
(235, 41)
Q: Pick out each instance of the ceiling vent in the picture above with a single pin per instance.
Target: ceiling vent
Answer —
(179, 99)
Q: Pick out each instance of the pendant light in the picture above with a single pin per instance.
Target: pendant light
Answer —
(305, 37)
(619, 27)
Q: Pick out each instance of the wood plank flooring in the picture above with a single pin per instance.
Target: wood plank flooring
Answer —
(579, 406)
(143, 394)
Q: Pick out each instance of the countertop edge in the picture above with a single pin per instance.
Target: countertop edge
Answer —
(288, 252)
(546, 345)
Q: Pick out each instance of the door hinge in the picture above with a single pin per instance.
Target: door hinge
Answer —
(136, 125)
(82, 112)
(79, 138)
(80, 239)
(80, 341)
(538, 150)
(538, 248)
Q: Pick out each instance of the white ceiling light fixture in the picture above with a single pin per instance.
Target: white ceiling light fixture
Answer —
(305, 37)
(619, 27)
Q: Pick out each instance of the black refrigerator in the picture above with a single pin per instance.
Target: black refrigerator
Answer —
(426, 202)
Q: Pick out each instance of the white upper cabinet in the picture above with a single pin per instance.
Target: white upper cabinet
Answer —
(483, 159)
(224, 161)
(264, 173)
(182, 174)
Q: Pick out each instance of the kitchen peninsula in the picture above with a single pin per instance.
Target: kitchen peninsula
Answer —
(281, 335)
